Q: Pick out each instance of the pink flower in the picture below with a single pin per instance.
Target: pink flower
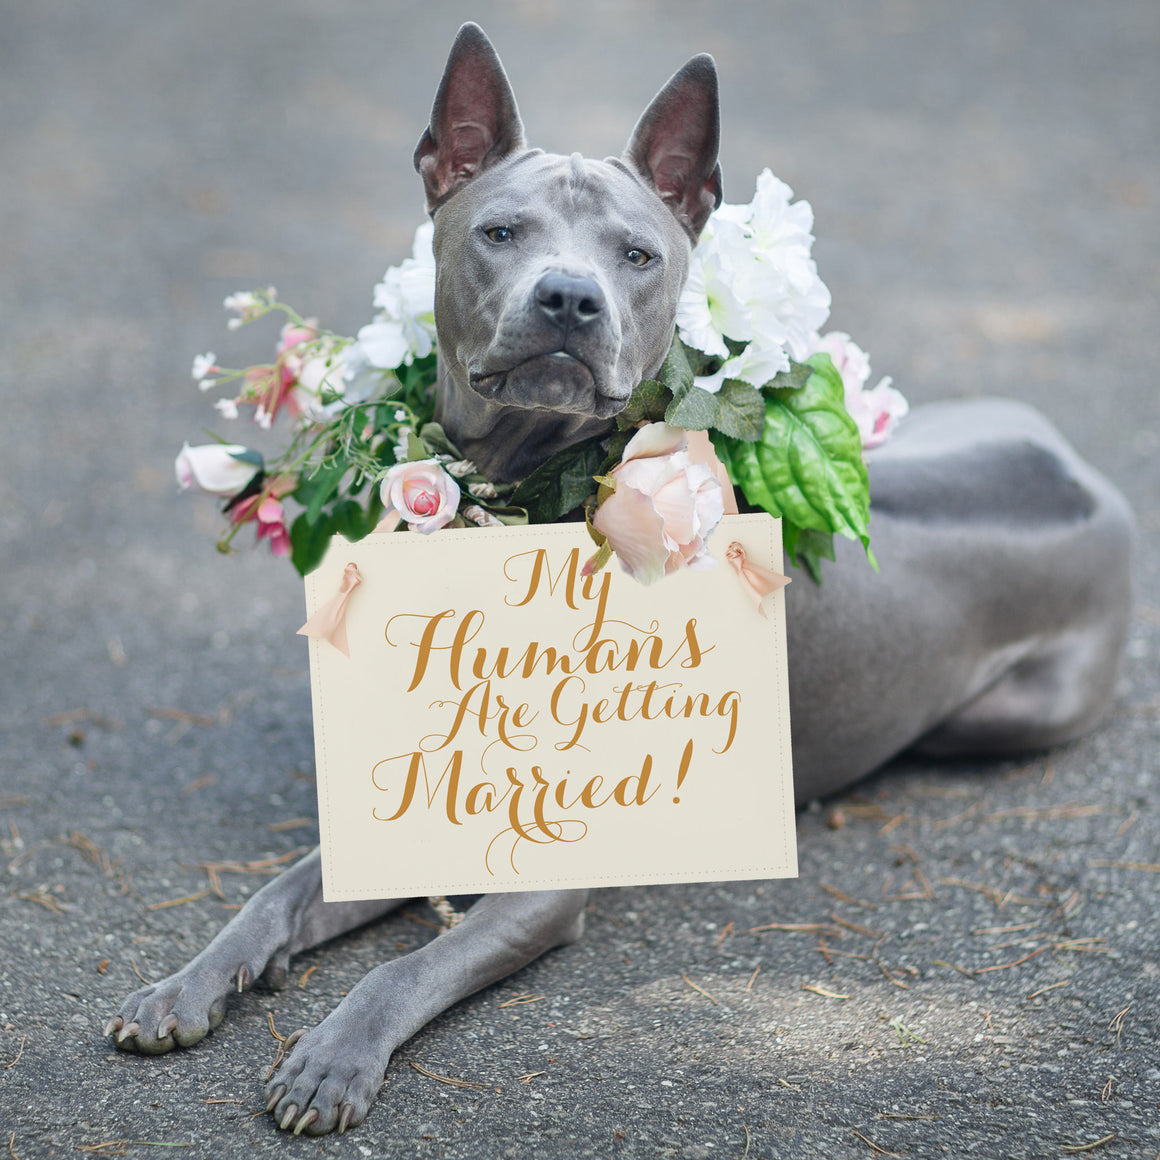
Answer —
(849, 359)
(664, 507)
(876, 410)
(218, 468)
(291, 350)
(422, 493)
(265, 509)
(271, 519)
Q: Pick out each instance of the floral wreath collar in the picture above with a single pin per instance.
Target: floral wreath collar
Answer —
(751, 394)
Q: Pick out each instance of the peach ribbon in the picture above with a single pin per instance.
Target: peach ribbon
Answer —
(329, 622)
(758, 581)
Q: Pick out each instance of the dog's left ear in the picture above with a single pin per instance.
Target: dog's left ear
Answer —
(474, 121)
(674, 144)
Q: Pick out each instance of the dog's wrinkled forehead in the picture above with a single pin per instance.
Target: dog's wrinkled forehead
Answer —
(569, 196)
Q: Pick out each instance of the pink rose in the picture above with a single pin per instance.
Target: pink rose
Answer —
(422, 493)
(664, 506)
(219, 468)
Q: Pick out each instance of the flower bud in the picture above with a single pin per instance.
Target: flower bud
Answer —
(218, 468)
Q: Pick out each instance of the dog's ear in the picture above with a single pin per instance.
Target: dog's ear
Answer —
(474, 121)
(674, 144)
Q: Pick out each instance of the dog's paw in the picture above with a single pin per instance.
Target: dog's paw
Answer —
(179, 1011)
(328, 1081)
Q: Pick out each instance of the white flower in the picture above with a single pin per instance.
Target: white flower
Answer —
(404, 328)
(752, 280)
(461, 467)
(248, 305)
(204, 365)
(219, 468)
(241, 301)
(226, 408)
(876, 410)
(360, 378)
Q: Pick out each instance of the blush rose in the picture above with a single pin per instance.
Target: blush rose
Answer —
(664, 507)
(422, 493)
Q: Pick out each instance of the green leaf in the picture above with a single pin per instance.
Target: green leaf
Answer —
(677, 371)
(309, 540)
(795, 378)
(416, 448)
(645, 405)
(314, 493)
(561, 484)
(435, 438)
(246, 455)
(807, 466)
(695, 410)
(350, 519)
(740, 411)
(808, 548)
(614, 449)
(699, 362)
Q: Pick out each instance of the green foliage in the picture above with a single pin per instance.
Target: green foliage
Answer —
(807, 466)
(562, 484)
(790, 446)
(645, 405)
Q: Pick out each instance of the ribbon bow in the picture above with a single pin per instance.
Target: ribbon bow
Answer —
(329, 622)
(757, 581)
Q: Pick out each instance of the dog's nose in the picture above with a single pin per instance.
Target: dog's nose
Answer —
(569, 300)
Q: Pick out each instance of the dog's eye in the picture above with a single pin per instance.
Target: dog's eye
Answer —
(638, 257)
(499, 234)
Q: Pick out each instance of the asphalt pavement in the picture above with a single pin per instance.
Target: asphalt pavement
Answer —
(968, 964)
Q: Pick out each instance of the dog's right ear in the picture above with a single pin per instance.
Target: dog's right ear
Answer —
(674, 144)
(474, 121)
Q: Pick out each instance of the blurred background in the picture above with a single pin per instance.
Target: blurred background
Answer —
(986, 185)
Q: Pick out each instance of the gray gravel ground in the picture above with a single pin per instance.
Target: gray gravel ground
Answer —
(986, 181)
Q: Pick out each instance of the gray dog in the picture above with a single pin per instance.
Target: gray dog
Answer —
(995, 624)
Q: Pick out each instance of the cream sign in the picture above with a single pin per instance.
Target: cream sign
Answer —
(505, 723)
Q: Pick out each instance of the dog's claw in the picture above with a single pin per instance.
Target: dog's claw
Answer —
(166, 1026)
(272, 1102)
(288, 1118)
(306, 1121)
(344, 1119)
(243, 979)
(114, 1024)
(293, 1038)
(128, 1031)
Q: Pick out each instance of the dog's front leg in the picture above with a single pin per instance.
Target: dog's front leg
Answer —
(286, 916)
(335, 1069)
